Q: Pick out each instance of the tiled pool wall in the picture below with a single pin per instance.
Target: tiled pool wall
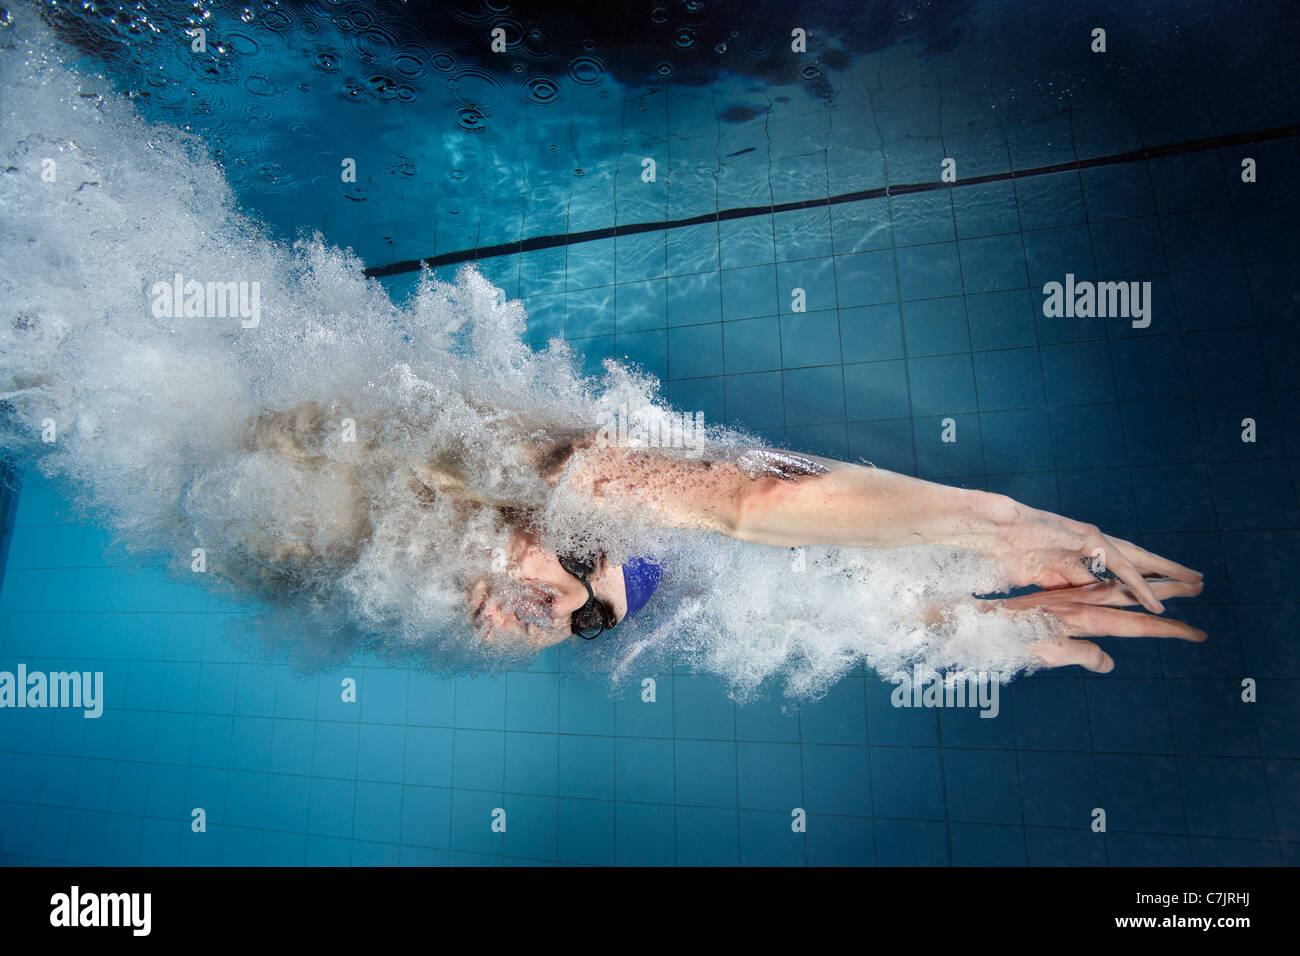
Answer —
(920, 308)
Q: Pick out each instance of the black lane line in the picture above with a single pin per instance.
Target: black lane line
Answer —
(902, 189)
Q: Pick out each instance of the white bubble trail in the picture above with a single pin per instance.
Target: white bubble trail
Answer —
(154, 428)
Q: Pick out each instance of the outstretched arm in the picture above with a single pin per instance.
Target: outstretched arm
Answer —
(867, 507)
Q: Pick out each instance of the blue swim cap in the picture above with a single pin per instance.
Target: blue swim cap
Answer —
(640, 577)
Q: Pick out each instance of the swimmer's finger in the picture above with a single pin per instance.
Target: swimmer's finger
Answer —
(1108, 593)
(1152, 563)
(1064, 653)
(1123, 569)
(1094, 592)
(1087, 620)
(1116, 594)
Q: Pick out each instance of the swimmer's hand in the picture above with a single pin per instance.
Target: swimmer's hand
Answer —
(1091, 611)
(1050, 551)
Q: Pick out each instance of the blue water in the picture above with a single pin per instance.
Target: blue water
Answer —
(922, 307)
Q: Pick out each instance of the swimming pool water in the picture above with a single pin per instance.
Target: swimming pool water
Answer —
(922, 306)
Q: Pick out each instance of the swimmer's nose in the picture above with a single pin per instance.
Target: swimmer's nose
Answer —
(565, 605)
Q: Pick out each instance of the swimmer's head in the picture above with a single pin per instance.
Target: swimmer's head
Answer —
(537, 595)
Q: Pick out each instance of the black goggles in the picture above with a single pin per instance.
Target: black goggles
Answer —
(595, 617)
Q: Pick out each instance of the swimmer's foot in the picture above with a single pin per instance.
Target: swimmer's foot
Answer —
(1092, 611)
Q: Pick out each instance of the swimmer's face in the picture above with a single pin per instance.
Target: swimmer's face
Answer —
(541, 597)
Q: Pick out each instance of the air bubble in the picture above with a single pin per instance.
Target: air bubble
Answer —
(586, 70)
(542, 89)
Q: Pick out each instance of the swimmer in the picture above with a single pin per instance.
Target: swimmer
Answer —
(786, 500)
(415, 478)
